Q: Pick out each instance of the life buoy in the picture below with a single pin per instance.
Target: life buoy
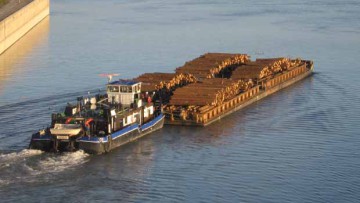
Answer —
(88, 121)
(68, 120)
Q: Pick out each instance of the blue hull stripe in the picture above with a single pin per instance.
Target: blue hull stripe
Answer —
(151, 123)
(124, 131)
(93, 139)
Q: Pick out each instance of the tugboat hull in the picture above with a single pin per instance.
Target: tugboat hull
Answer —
(99, 145)
(41, 142)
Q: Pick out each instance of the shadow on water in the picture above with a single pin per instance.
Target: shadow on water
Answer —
(11, 59)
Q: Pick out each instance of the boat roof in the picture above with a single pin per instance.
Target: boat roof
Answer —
(124, 82)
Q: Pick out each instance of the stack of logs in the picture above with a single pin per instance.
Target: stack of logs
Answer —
(199, 97)
(251, 71)
(177, 81)
(211, 64)
(156, 81)
(277, 65)
(263, 68)
(211, 92)
(202, 89)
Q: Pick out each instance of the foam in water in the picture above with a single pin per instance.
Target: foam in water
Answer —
(19, 155)
(33, 165)
(64, 161)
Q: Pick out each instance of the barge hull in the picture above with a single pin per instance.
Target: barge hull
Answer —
(262, 94)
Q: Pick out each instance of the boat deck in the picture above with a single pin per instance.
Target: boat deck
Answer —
(220, 84)
(238, 102)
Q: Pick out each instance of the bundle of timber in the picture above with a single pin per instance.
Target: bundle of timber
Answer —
(211, 64)
(252, 70)
(156, 81)
(178, 80)
(263, 68)
(296, 62)
(277, 65)
(150, 81)
(211, 92)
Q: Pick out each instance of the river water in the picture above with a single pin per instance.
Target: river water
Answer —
(301, 144)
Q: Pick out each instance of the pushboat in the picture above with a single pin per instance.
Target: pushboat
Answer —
(102, 123)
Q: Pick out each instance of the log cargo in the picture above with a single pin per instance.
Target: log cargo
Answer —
(157, 81)
(263, 68)
(212, 91)
(211, 64)
(216, 84)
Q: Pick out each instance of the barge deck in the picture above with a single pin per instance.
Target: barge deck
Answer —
(236, 104)
(215, 85)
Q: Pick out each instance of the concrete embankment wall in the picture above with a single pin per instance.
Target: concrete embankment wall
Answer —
(18, 24)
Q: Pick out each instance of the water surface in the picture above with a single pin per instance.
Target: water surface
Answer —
(298, 145)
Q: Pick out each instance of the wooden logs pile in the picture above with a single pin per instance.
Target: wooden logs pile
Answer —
(295, 63)
(263, 68)
(185, 112)
(277, 65)
(211, 92)
(156, 81)
(251, 71)
(211, 64)
(178, 80)
(150, 81)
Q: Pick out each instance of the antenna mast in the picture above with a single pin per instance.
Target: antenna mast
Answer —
(109, 76)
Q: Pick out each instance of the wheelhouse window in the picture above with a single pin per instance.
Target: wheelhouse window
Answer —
(123, 89)
(135, 88)
(113, 88)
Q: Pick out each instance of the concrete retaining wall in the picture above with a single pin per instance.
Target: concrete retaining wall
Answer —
(18, 24)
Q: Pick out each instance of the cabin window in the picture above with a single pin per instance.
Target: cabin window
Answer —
(123, 89)
(146, 113)
(129, 119)
(113, 88)
(120, 123)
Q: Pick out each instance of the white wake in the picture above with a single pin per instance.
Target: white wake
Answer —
(34, 165)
